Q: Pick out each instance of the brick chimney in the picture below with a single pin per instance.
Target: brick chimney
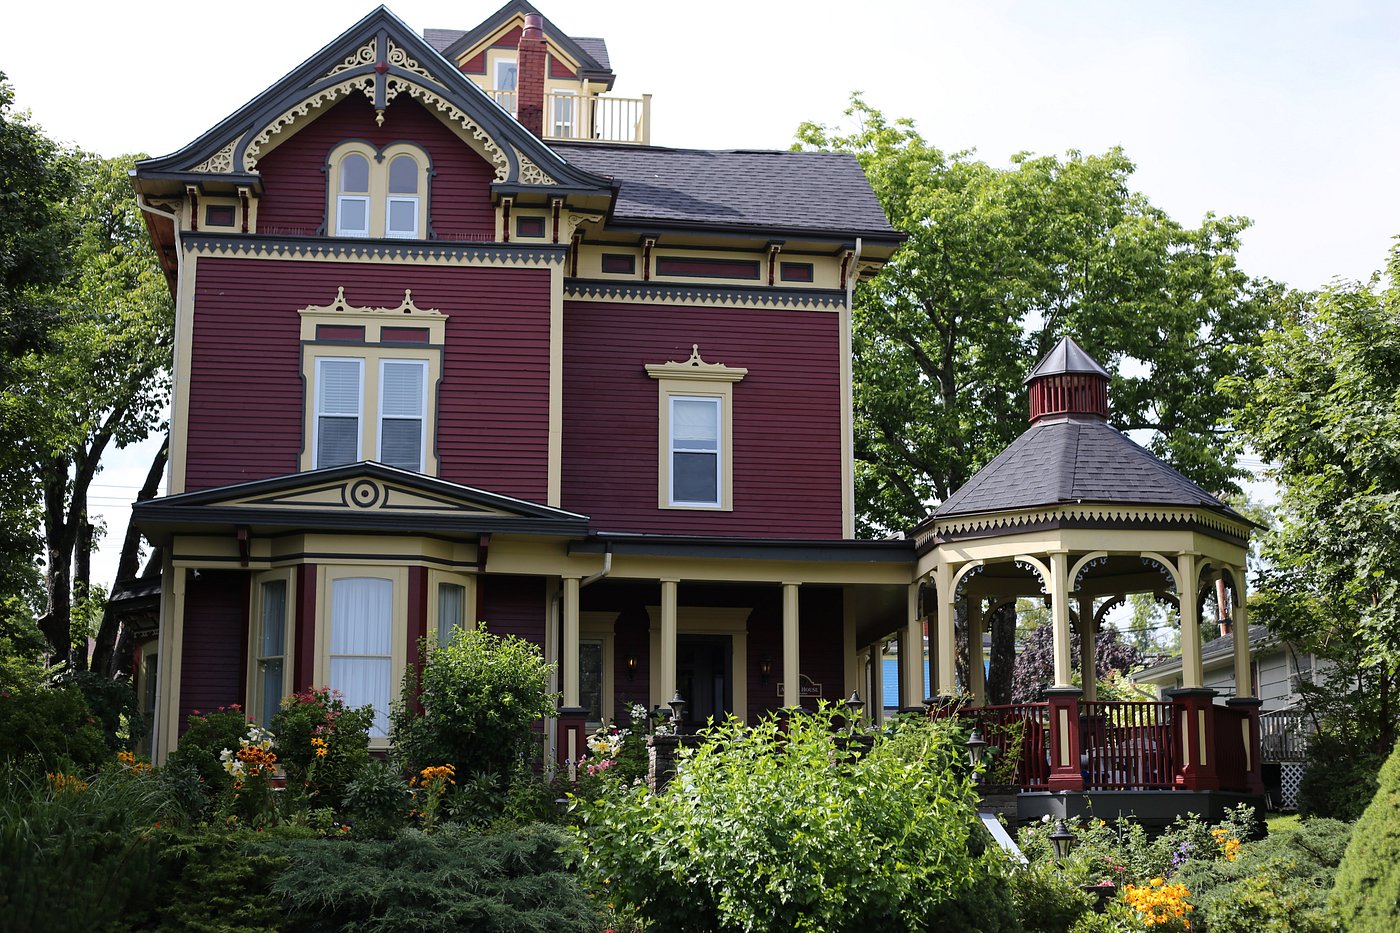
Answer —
(530, 65)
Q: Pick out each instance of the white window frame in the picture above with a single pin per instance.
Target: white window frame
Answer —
(259, 582)
(380, 417)
(320, 398)
(398, 632)
(695, 379)
(561, 102)
(676, 447)
(378, 198)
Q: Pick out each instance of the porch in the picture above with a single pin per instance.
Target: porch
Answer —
(588, 117)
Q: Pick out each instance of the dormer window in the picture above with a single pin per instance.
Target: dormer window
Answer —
(379, 192)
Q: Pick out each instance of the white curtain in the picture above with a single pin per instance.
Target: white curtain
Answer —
(695, 423)
(362, 622)
(450, 605)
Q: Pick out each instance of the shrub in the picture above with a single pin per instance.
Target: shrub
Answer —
(206, 736)
(322, 743)
(1340, 779)
(777, 827)
(113, 702)
(377, 799)
(215, 884)
(50, 728)
(1045, 901)
(451, 880)
(479, 695)
(1367, 894)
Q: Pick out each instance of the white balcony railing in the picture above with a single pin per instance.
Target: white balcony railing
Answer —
(585, 117)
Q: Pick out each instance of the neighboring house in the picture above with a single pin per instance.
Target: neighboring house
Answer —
(438, 365)
(1276, 669)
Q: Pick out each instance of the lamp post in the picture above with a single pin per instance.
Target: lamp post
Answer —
(975, 745)
(677, 705)
(1062, 839)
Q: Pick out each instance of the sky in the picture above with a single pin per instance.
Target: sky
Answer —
(1279, 111)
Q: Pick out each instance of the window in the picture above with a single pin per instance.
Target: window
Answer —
(378, 192)
(695, 463)
(401, 413)
(590, 678)
(451, 611)
(361, 645)
(507, 79)
(561, 108)
(695, 450)
(339, 390)
(270, 640)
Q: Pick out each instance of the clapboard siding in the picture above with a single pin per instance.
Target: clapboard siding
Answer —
(245, 378)
(294, 174)
(787, 416)
(513, 606)
(215, 629)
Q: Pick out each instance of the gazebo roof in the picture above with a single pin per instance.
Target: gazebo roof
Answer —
(1067, 357)
(1072, 459)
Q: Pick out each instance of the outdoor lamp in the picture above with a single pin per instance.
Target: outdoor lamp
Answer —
(975, 744)
(1062, 839)
(677, 705)
(631, 666)
(765, 667)
(856, 704)
(562, 805)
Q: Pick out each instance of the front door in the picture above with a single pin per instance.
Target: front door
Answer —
(704, 675)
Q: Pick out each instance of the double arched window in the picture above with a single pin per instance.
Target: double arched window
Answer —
(379, 192)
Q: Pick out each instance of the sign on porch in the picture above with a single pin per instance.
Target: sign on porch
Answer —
(806, 688)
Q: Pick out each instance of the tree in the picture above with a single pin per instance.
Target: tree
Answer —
(999, 265)
(1367, 893)
(1035, 665)
(98, 378)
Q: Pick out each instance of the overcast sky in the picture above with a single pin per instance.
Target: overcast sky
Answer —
(1283, 112)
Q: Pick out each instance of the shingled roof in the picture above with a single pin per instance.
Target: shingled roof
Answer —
(1074, 459)
(824, 192)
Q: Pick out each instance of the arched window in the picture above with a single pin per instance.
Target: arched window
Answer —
(378, 192)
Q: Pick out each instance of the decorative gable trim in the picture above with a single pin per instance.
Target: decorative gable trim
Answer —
(341, 311)
(696, 369)
(709, 296)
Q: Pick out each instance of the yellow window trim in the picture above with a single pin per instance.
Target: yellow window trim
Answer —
(468, 583)
(398, 640)
(378, 195)
(252, 694)
(694, 378)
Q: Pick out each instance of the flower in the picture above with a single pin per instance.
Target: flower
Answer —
(318, 744)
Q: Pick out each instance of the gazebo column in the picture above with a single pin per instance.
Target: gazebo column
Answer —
(1189, 609)
(1058, 586)
(1065, 773)
(911, 654)
(1244, 698)
(1088, 666)
(1193, 704)
(976, 672)
(947, 672)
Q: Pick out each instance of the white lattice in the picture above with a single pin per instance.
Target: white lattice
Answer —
(1291, 780)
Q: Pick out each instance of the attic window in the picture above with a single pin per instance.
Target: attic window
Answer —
(218, 215)
(378, 192)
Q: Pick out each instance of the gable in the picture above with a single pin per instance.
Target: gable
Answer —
(569, 58)
(381, 61)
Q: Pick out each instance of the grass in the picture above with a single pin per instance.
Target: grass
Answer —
(1283, 821)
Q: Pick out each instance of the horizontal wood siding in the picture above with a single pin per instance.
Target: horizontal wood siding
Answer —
(513, 606)
(246, 387)
(787, 417)
(294, 174)
(216, 623)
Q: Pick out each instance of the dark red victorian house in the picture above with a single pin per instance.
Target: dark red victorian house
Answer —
(455, 345)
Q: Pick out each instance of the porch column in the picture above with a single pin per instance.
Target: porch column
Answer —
(976, 672)
(1239, 629)
(792, 680)
(911, 654)
(947, 671)
(568, 662)
(1189, 610)
(1059, 617)
(849, 651)
(1088, 662)
(168, 660)
(876, 700)
(666, 677)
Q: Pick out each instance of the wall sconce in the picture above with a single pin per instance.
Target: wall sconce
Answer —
(631, 666)
(765, 667)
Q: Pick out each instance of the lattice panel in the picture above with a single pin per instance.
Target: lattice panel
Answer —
(1292, 780)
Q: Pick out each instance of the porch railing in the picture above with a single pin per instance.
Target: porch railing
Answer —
(1283, 735)
(1127, 745)
(584, 117)
(1023, 730)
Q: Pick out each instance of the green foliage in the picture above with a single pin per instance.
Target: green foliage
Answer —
(215, 884)
(779, 827)
(377, 799)
(1278, 883)
(1001, 263)
(50, 728)
(1045, 901)
(321, 714)
(479, 696)
(1367, 893)
(453, 879)
(1340, 779)
(77, 856)
(206, 736)
(113, 702)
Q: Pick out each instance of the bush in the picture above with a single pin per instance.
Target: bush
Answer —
(778, 827)
(451, 880)
(206, 736)
(321, 743)
(479, 695)
(1045, 902)
(1340, 779)
(215, 883)
(50, 728)
(1367, 894)
(377, 799)
(113, 702)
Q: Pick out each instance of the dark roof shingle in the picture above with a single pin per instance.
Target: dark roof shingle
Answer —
(1072, 460)
(779, 190)
(440, 39)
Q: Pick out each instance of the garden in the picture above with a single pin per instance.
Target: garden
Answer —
(801, 822)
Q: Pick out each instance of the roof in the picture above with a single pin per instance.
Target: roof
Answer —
(1214, 650)
(596, 48)
(1070, 459)
(824, 192)
(581, 49)
(1067, 357)
(440, 39)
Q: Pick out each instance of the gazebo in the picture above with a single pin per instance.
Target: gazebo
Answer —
(1076, 514)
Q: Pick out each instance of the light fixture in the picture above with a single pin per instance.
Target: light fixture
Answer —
(975, 745)
(677, 705)
(856, 704)
(1062, 839)
(765, 667)
(631, 666)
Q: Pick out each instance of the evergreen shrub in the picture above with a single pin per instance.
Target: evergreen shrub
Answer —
(1367, 892)
(50, 728)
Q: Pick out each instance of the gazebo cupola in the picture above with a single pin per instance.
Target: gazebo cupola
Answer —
(1068, 382)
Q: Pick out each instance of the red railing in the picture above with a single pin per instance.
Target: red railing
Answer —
(1022, 730)
(1231, 761)
(1127, 746)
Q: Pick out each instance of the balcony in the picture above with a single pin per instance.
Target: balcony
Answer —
(590, 118)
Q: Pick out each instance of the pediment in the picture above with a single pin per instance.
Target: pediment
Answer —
(364, 494)
(383, 59)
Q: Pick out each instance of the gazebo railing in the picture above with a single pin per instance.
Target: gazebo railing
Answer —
(1127, 745)
(1022, 729)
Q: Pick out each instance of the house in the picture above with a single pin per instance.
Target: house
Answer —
(447, 354)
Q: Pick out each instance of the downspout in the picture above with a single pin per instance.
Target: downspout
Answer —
(158, 751)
